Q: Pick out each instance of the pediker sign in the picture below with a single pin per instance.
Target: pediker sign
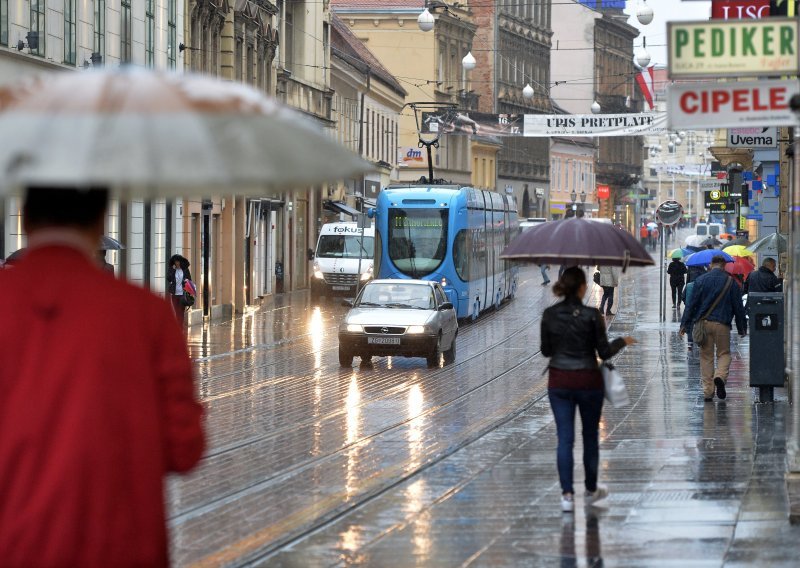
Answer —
(731, 105)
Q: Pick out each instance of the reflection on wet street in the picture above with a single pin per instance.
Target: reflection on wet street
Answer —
(394, 464)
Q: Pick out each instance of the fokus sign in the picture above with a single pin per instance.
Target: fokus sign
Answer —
(731, 105)
(733, 48)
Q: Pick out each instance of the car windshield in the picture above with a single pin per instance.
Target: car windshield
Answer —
(391, 295)
(417, 240)
(345, 246)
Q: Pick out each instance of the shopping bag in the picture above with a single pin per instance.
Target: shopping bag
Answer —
(615, 390)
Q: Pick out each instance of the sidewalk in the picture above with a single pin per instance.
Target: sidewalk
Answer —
(692, 483)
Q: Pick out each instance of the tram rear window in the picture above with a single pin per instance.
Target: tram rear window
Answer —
(417, 240)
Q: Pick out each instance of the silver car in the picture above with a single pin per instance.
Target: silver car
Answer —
(406, 318)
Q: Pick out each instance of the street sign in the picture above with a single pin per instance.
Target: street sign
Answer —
(710, 184)
(739, 9)
(731, 105)
(732, 48)
(718, 201)
(756, 137)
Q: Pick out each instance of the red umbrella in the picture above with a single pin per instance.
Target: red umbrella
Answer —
(741, 265)
(577, 241)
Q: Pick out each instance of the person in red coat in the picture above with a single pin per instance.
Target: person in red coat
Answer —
(98, 401)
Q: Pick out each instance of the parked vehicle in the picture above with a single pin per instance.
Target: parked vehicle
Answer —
(344, 256)
(709, 229)
(452, 235)
(406, 318)
(531, 222)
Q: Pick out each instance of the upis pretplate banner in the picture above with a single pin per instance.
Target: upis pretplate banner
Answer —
(628, 124)
(543, 125)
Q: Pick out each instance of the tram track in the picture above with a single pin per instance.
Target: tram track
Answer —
(295, 424)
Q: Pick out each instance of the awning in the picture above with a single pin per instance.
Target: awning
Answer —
(339, 207)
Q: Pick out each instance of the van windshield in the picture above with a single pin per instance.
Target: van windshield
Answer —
(713, 230)
(345, 246)
(701, 230)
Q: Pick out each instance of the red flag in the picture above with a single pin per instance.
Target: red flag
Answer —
(647, 85)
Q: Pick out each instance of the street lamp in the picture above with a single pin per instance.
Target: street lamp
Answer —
(642, 57)
(426, 21)
(644, 14)
(468, 63)
(528, 92)
(596, 107)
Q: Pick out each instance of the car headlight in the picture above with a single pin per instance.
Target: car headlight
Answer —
(366, 275)
(318, 272)
(354, 328)
(415, 329)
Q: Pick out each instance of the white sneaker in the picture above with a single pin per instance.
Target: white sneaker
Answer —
(598, 495)
(567, 503)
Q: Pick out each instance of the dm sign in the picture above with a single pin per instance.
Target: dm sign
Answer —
(733, 48)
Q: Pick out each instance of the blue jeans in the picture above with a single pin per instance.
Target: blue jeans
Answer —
(590, 405)
(608, 296)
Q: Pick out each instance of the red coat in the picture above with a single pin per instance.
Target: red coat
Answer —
(97, 404)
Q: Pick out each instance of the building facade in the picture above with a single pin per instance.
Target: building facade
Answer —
(512, 49)
(367, 103)
(572, 178)
(428, 65)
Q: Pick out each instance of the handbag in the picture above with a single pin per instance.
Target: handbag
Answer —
(596, 277)
(699, 333)
(615, 390)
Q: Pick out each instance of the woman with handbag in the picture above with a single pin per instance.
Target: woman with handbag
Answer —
(573, 335)
(177, 275)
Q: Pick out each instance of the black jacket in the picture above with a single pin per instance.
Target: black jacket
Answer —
(676, 271)
(762, 280)
(573, 335)
(171, 272)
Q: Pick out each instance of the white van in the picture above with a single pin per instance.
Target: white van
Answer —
(344, 256)
(709, 229)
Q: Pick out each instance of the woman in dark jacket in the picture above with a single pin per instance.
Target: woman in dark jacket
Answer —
(177, 274)
(573, 335)
(677, 278)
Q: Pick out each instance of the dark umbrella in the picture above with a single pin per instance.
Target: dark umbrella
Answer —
(108, 243)
(739, 241)
(712, 241)
(577, 241)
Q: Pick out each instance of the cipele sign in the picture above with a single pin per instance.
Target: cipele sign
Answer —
(731, 105)
(733, 48)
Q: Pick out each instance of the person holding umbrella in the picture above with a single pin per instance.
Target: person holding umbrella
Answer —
(573, 335)
(97, 407)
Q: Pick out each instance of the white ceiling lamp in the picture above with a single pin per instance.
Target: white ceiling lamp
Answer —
(527, 92)
(469, 63)
(642, 57)
(636, 62)
(678, 141)
(596, 107)
(671, 147)
(644, 14)
(426, 21)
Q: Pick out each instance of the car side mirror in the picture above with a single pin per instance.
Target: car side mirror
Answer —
(347, 303)
(446, 306)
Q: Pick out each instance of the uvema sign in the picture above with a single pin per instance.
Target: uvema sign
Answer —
(733, 48)
(756, 137)
(731, 105)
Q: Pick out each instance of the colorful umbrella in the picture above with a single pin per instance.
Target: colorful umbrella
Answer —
(577, 241)
(694, 241)
(738, 250)
(677, 253)
(741, 266)
(703, 258)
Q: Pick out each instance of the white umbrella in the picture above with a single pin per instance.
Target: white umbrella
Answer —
(694, 240)
(652, 225)
(148, 134)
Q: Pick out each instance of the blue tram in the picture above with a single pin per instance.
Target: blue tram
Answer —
(450, 234)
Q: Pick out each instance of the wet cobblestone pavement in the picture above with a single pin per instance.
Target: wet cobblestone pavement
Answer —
(397, 465)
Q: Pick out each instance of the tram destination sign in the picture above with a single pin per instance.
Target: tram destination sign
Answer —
(733, 48)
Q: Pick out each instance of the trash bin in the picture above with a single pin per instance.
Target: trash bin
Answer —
(767, 362)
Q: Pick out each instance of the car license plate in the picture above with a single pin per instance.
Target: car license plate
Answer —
(384, 340)
(341, 287)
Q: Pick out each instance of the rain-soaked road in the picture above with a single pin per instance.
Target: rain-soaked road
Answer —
(295, 439)
(398, 465)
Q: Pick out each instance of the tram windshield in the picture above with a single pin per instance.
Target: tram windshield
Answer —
(417, 240)
(341, 246)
